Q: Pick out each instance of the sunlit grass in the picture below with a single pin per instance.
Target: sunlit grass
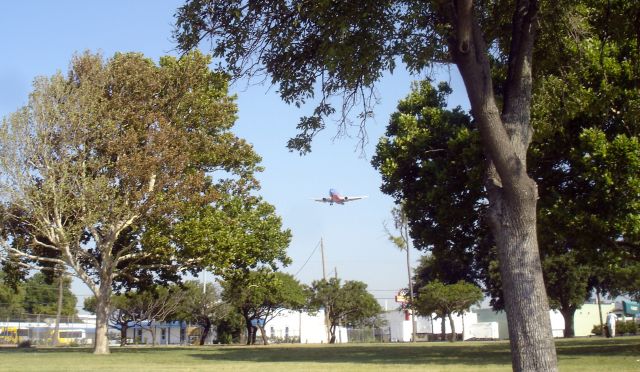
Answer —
(593, 354)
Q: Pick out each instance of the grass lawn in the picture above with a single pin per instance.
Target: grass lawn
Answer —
(592, 354)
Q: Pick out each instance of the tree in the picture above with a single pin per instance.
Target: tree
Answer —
(124, 313)
(157, 305)
(259, 296)
(446, 300)
(340, 48)
(117, 145)
(343, 304)
(144, 308)
(428, 162)
(584, 154)
(11, 298)
(202, 305)
(41, 297)
(576, 218)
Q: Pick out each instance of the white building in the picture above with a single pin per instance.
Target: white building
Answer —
(301, 327)
(400, 329)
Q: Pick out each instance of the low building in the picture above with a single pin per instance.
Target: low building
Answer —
(427, 328)
(301, 327)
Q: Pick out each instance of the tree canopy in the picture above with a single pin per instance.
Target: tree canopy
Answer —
(105, 161)
(36, 295)
(343, 304)
(202, 305)
(338, 50)
(261, 295)
(446, 300)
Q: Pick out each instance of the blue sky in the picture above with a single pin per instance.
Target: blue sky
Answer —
(40, 37)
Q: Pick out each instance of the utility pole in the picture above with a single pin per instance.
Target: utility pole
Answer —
(327, 326)
(324, 270)
(56, 329)
(403, 242)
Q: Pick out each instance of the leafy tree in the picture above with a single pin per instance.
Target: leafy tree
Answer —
(11, 299)
(124, 144)
(41, 296)
(36, 295)
(124, 312)
(558, 165)
(446, 300)
(259, 296)
(585, 153)
(144, 308)
(428, 162)
(157, 305)
(202, 305)
(341, 48)
(343, 304)
(230, 328)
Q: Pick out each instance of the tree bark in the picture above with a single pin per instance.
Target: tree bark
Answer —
(567, 314)
(332, 334)
(56, 331)
(123, 333)
(511, 192)
(103, 303)
(443, 328)
(263, 334)
(453, 328)
(206, 328)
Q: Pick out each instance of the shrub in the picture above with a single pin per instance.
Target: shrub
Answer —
(629, 327)
(597, 329)
(25, 344)
(621, 327)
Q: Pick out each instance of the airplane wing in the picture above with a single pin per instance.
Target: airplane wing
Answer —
(323, 200)
(352, 198)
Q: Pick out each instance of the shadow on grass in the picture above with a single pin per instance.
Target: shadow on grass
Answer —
(396, 354)
(464, 353)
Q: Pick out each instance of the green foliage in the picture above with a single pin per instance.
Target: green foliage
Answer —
(108, 166)
(628, 327)
(42, 298)
(35, 296)
(585, 154)
(597, 329)
(344, 304)
(202, 305)
(429, 158)
(447, 299)
(262, 295)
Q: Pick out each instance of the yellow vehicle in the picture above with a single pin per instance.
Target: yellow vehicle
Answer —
(10, 335)
(71, 336)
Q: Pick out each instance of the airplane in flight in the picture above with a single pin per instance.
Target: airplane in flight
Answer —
(335, 197)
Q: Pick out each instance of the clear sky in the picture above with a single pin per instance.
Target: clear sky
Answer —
(40, 37)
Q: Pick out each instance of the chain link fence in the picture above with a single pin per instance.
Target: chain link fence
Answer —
(40, 329)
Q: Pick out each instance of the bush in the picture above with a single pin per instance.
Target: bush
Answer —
(628, 327)
(25, 344)
(597, 329)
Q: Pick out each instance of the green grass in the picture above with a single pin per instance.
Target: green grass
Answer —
(594, 354)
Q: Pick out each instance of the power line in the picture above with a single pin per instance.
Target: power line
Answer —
(307, 261)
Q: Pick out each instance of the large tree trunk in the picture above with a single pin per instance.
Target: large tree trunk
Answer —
(443, 328)
(526, 303)
(103, 303)
(512, 193)
(567, 314)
